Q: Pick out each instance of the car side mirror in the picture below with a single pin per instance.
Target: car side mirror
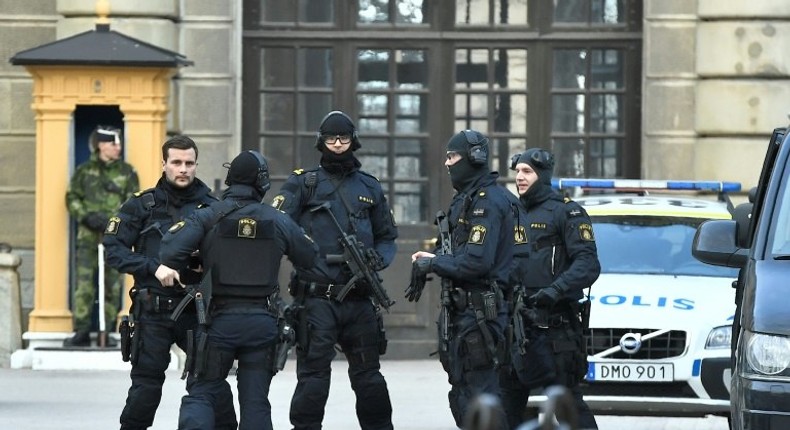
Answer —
(743, 220)
(715, 243)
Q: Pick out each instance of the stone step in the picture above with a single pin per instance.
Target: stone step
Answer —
(45, 352)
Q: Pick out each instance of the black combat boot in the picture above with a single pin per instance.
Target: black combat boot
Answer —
(80, 338)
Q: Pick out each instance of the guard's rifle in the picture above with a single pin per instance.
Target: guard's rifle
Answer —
(358, 261)
(197, 342)
(287, 335)
(445, 248)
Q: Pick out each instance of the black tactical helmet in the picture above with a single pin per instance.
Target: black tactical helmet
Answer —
(249, 168)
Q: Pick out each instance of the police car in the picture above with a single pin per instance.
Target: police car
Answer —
(660, 324)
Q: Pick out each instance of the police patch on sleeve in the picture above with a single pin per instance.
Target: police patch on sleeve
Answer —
(586, 232)
(477, 235)
(278, 201)
(112, 225)
(248, 228)
(520, 235)
(176, 227)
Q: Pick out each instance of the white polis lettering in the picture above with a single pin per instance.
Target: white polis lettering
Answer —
(660, 302)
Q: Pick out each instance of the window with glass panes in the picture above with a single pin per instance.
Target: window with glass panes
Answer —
(563, 75)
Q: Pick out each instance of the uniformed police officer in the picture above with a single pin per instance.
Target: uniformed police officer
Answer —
(242, 242)
(357, 201)
(482, 230)
(131, 239)
(562, 263)
(96, 190)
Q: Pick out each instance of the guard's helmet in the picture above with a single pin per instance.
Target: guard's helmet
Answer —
(103, 133)
(249, 168)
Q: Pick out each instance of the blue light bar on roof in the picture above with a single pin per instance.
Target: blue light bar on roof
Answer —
(645, 184)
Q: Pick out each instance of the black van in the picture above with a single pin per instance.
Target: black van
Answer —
(757, 241)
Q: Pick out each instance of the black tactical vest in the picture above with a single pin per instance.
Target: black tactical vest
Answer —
(243, 255)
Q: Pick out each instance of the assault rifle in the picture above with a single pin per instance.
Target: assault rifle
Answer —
(358, 261)
(445, 248)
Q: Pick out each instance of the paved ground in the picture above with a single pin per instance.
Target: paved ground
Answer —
(80, 400)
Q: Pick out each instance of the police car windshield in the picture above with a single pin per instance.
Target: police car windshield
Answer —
(650, 245)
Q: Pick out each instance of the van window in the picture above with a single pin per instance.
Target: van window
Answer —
(779, 237)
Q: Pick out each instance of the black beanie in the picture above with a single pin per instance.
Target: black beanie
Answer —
(243, 170)
(336, 123)
(541, 161)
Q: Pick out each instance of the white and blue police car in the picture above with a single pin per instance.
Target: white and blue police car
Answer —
(660, 322)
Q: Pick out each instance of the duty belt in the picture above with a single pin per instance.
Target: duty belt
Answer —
(152, 302)
(317, 289)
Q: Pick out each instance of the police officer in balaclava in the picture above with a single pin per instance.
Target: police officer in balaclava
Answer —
(481, 230)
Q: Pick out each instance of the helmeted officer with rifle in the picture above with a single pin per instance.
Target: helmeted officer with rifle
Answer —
(339, 301)
(473, 259)
(131, 239)
(241, 242)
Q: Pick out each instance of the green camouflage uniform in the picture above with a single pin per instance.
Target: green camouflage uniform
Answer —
(96, 187)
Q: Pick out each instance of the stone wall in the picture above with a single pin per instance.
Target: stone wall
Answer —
(715, 86)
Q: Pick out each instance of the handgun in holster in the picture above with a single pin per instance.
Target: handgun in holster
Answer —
(286, 341)
(201, 353)
(382, 334)
(584, 311)
(126, 338)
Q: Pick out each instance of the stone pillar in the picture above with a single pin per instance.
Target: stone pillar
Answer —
(670, 79)
(10, 306)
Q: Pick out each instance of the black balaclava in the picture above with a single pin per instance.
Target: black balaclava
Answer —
(337, 123)
(464, 173)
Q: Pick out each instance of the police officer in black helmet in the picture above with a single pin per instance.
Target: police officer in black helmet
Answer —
(562, 262)
(359, 205)
(481, 224)
(241, 242)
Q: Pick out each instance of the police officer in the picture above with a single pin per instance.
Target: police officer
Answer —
(242, 242)
(97, 189)
(562, 263)
(131, 239)
(482, 229)
(338, 188)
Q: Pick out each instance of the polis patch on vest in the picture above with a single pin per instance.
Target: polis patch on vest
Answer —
(112, 225)
(248, 228)
(477, 235)
(586, 232)
(278, 201)
(365, 199)
(520, 234)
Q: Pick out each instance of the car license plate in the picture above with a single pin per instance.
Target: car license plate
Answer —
(623, 371)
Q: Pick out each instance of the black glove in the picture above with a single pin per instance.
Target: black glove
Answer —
(545, 297)
(423, 265)
(95, 221)
(417, 284)
(375, 260)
